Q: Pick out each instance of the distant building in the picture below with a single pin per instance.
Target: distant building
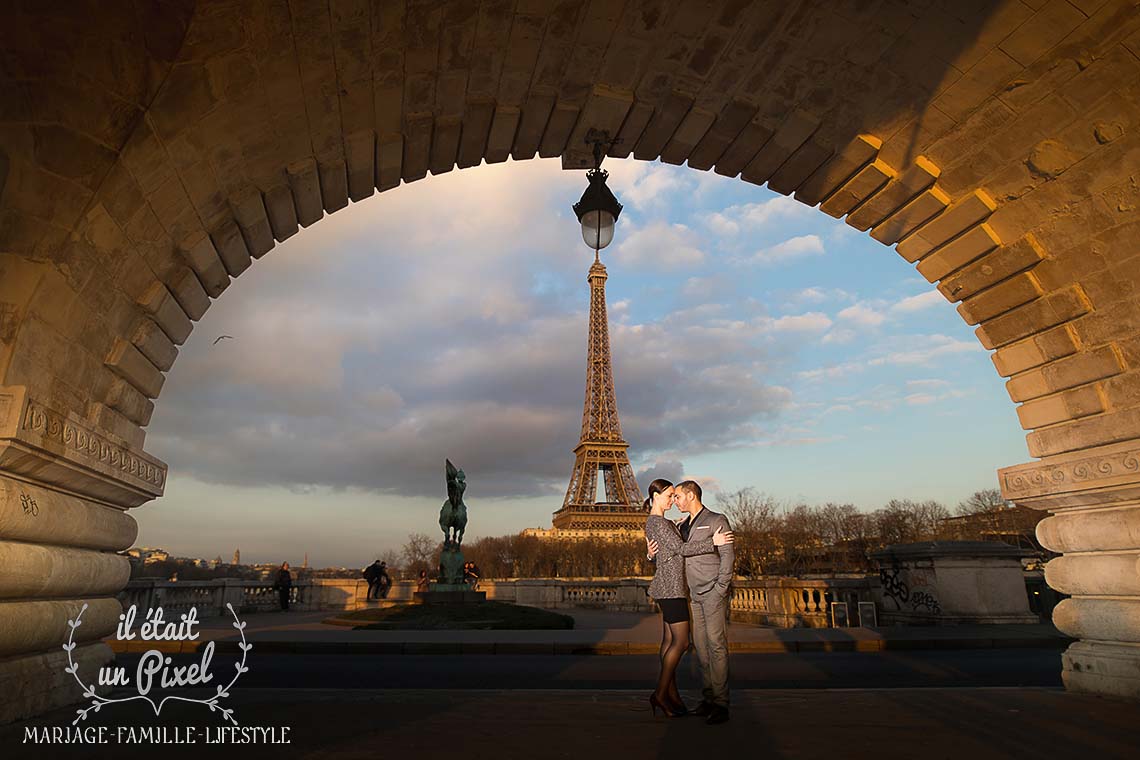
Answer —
(237, 557)
(267, 570)
(1014, 525)
(582, 534)
(147, 555)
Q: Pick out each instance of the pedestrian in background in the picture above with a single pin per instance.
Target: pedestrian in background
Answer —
(284, 585)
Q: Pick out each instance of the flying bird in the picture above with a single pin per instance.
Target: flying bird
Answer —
(219, 338)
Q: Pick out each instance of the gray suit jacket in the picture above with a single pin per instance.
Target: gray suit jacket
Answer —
(709, 573)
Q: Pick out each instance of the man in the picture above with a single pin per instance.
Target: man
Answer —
(708, 577)
(383, 580)
(372, 575)
(284, 585)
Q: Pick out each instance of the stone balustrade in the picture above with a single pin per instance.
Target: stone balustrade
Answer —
(801, 602)
(782, 602)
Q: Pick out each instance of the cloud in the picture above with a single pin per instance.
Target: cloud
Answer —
(754, 217)
(927, 383)
(884, 397)
(652, 186)
(619, 310)
(862, 315)
(801, 440)
(831, 371)
(812, 321)
(816, 295)
(358, 366)
(671, 470)
(710, 486)
(705, 287)
(780, 209)
(811, 295)
(721, 224)
(895, 351)
(427, 323)
(661, 244)
(917, 303)
(924, 398)
(793, 248)
(839, 336)
(878, 404)
(925, 349)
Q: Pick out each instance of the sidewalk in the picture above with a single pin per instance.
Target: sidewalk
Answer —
(595, 632)
(885, 724)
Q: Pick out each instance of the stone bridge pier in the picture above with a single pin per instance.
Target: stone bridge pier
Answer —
(1093, 500)
(153, 151)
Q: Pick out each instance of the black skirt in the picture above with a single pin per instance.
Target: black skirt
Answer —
(674, 610)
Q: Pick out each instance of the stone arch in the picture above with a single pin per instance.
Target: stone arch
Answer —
(993, 144)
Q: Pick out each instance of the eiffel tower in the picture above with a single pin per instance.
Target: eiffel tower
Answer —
(601, 448)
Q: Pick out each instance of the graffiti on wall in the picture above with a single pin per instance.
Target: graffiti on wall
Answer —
(909, 589)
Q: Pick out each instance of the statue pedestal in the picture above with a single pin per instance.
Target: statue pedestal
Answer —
(450, 593)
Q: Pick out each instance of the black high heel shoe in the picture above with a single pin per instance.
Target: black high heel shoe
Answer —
(654, 703)
(680, 709)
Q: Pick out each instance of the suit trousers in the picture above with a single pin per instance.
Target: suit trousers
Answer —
(710, 639)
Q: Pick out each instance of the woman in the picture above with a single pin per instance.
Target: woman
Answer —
(668, 590)
(471, 575)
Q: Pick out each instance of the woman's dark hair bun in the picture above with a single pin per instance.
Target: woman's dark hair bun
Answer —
(656, 487)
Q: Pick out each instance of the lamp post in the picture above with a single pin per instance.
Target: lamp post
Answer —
(598, 209)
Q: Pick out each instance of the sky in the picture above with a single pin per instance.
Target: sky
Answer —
(756, 343)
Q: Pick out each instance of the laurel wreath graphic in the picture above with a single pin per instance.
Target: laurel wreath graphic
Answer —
(97, 701)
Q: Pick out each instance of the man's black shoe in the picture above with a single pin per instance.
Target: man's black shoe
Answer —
(704, 708)
(719, 714)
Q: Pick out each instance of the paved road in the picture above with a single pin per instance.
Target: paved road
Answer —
(986, 667)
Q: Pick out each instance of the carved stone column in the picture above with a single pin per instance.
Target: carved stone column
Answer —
(1093, 497)
(64, 492)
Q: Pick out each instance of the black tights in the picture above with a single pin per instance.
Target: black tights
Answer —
(674, 644)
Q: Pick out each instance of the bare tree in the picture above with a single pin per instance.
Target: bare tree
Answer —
(420, 553)
(904, 521)
(800, 538)
(392, 558)
(986, 516)
(986, 500)
(843, 526)
(755, 521)
(772, 538)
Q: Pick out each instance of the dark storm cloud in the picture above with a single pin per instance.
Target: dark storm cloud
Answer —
(672, 470)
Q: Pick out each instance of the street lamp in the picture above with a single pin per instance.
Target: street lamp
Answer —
(598, 209)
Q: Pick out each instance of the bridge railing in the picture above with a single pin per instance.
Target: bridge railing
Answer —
(783, 602)
(801, 602)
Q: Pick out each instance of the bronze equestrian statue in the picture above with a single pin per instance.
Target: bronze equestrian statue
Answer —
(453, 514)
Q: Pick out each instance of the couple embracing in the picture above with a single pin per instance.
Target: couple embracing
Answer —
(693, 555)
